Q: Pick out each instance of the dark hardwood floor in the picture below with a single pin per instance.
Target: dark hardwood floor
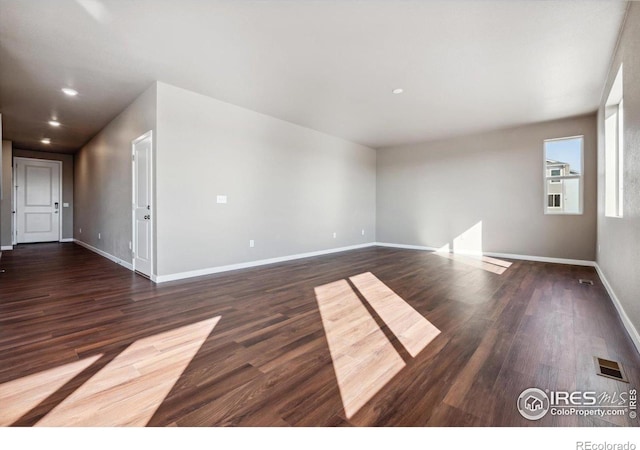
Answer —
(301, 343)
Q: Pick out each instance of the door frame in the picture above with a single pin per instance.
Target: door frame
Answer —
(148, 134)
(14, 196)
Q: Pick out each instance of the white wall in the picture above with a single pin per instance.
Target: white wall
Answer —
(431, 193)
(102, 189)
(289, 188)
(619, 238)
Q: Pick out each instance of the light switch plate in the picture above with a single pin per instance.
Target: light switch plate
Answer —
(65, 205)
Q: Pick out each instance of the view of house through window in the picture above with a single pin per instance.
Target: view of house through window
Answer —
(563, 175)
(613, 149)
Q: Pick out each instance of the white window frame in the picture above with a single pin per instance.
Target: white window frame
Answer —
(548, 178)
(614, 158)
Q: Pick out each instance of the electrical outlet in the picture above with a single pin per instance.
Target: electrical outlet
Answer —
(363, 231)
(221, 199)
(252, 243)
(335, 234)
(80, 230)
(99, 237)
(130, 246)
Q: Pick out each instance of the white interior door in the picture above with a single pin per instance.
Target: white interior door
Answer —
(37, 188)
(142, 203)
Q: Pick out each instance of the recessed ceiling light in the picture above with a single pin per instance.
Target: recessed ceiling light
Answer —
(70, 92)
(398, 91)
(46, 141)
(54, 123)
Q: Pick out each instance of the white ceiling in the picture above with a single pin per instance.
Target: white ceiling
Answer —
(465, 66)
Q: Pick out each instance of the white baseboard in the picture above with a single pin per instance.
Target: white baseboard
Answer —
(633, 332)
(573, 262)
(246, 265)
(6, 247)
(109, 256)
(67, 240)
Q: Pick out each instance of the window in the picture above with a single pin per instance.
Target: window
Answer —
(613, 149)
(554, 200)
(563, 175)
(555, 173)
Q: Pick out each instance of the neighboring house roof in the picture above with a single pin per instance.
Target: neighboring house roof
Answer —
(553, 162)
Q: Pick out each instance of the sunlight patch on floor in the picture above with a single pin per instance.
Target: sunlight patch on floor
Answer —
(364, 360)
(412, 330)
(18, 397)
(128, 390)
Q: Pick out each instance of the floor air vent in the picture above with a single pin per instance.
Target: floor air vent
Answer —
(610, 369)
(582, 281)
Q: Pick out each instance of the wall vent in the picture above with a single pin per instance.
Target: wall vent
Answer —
(610, 369)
